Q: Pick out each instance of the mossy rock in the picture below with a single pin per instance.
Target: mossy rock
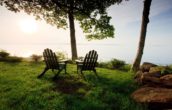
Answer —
(162, 70)
(146, 66)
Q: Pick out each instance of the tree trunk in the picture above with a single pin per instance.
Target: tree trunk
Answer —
(72, 32)
(145, 21)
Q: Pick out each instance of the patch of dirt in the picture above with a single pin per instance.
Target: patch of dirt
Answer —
(70, 85)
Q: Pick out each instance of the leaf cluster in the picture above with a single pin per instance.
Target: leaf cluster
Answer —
(91, 14)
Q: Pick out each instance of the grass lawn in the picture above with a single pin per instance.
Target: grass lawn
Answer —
(21, 90)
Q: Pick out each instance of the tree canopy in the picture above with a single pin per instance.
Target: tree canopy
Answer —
(91, 14)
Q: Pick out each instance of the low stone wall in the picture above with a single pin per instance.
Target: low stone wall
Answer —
(156, 86)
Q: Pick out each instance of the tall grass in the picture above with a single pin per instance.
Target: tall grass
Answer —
(21, 90)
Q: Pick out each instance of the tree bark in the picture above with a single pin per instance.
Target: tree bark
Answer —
(145, 21)
(72, 32)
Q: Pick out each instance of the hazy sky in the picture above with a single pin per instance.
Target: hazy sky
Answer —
(22, 40)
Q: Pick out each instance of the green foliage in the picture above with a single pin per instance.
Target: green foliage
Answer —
(5, 57)
(4, 54)
(170, 66)
(126, 67)
(12, 59)
(105, 65)
(36, 58)
(61, 55)
(21, 90)
(117, 64)
(91, 14)
(166, 70)
(98, 29)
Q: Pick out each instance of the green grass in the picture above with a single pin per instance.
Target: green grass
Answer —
(21, 90)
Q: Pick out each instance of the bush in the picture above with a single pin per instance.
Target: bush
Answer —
(36, 58)
(105, 65)
(170, 66)
(126, 67)
(166, 70)
(61, 55)
(114, 64)
(117, 64)
(4, 54)
(12, 59)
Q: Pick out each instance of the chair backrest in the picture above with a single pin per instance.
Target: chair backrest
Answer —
(50, 59)
(90, 60)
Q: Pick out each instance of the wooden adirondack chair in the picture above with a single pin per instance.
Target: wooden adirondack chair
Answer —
(52, 62)
(89, 62)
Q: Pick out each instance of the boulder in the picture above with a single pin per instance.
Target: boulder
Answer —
(157, 69)
(166, 80)
(137, 77)
(147, 79)
(150, 80)
(153, 76)
(146, 66)
(154, 97)
(156, 89)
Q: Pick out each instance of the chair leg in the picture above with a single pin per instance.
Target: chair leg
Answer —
(77, 69)
(65, 69)
(45, 69)
(57, 74)
(83, 75)
(94, 70)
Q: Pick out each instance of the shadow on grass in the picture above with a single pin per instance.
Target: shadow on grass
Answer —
(103, 93)
(71, 85)
(74, 85)
(122, 86)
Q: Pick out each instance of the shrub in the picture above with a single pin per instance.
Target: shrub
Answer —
(105, 64)
(170, 66)
(13, 59)
(166, 70)
(126, 67)
(114, 64)
(117, 64)
(4, 54)
(35, 57)
(61, 55)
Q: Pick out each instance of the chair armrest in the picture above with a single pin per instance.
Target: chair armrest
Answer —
(63, 61)
(78, 61)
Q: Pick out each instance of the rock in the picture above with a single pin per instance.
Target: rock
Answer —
(137, 77)
(154, 97)
(157, 69)
(166, 80)
(146, 66)
(151, 94)
(154, 74)
(156, 90)
(147, 79)
(166, 71)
